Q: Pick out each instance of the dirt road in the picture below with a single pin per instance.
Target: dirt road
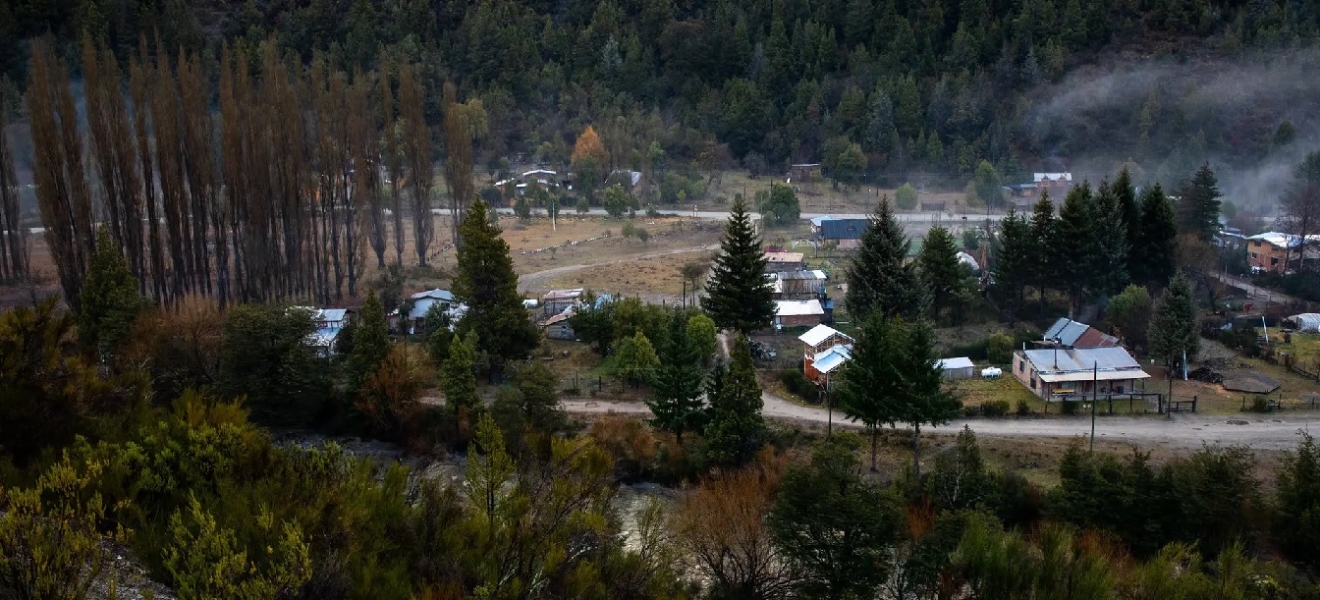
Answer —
(1183, 431)
(536, 279)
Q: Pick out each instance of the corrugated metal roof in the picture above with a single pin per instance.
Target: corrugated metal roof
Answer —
(799, 275)
(332, 314)
(798, 308)
(844, 229)
(819, 334)
(1065, 360)
(436, 294)
(562, 294)
(816, 221)
(832, 359)
(960, 362)
(1122, 375)
(1077, 334)
(1275, 238)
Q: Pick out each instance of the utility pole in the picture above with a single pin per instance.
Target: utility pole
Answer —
(1095, 398)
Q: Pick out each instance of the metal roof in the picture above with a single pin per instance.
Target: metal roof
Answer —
(797, 308)
(816, 221)
(436, 294)
(1081, 364)
(1275, 238)
(844, 229)
(552, 295)
(331, 314)
(819, 334)
(1078, 335)
(960, 362)
(832, 359)
(800, 275)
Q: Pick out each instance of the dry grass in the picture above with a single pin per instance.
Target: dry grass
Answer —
(529, 242)
(820, 196)
(656, 275)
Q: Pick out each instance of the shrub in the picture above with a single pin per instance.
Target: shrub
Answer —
(1069, 408)
(1023, 409)
(995, 408)
(1259, 405)
(999, 348)
(798, 384)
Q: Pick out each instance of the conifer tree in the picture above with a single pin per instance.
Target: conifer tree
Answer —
(677, 404)
(1011, 261)
(1108, 264)
(1157, 245)
(110, 299)
(1043, 264)
(371, 341)
(870, 390)
(739, 296)
(1174, 328)
(941, 271)
(1198, 205)
(879, 279)
(457, 377)
(488, 286)
(736, 430)
(1074, 245)
(1129, 208)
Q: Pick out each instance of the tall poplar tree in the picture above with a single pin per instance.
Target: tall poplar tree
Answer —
(738, 295)
(14, 258)
(880, 280)
(488, 286)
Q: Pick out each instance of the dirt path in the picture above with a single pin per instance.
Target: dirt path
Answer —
(535, 279)
(1182, 431)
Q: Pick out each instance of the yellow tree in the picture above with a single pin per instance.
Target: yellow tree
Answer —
(590, 159)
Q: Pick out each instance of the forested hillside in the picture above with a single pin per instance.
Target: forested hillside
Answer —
(931, 87)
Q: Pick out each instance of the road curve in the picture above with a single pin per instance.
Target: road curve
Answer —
(1188, 431)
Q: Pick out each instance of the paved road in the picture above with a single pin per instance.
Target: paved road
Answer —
(1183, 431)
(721, 215)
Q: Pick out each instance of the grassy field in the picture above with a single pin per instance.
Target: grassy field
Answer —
(820, 196)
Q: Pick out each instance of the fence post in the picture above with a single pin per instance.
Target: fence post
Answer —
(1194, 403)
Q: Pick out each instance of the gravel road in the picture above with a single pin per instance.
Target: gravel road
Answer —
(1182, 431)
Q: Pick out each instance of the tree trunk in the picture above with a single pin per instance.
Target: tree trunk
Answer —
(916, 451)
(875, 434)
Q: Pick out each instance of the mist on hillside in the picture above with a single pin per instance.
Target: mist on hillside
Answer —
(1191, 110)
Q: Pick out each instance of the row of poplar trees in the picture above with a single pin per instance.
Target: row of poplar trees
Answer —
(277, 196)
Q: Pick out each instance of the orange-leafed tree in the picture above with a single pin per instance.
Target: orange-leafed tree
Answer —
(590, 162)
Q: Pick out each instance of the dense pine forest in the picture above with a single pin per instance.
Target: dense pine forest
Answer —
(929, 88)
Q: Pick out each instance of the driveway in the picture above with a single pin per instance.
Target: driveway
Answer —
(1182, 431)
(1255, 291)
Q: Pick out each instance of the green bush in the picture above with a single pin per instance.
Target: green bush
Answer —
(798, 384)
(995, 408)
(999, 348)
(1023, 409)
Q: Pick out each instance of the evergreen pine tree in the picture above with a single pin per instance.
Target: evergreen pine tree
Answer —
(110, 299)
(1043, 264)
(879, 279)
(739, 297)
(371, 341)
(677, 404)
(1074, 245)
(1157, 245)
(923, 399)
(488, 286)
(941, 271)
(1108, 265)
(458, 379)
(1198, 205)
(736, 430)
(1129, 208)
(1011, 261)
(1174, 328)
(869, 391)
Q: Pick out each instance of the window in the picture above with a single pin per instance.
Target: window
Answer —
(1254, 255)
(1273, 261)
(1022, 366)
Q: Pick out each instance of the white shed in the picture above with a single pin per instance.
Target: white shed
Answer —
(957, 368)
